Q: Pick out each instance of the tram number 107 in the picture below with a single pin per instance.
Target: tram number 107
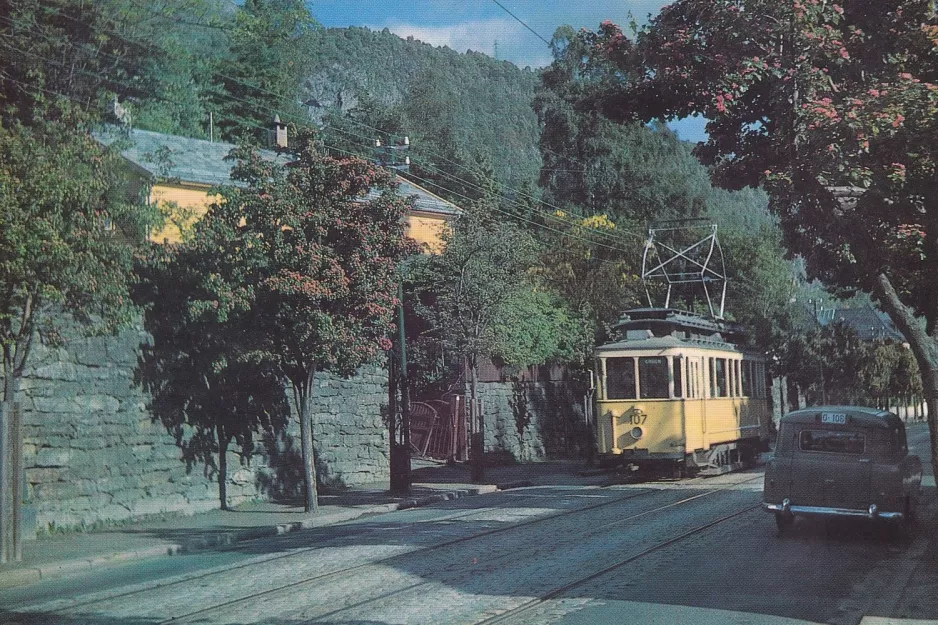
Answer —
(637, 417)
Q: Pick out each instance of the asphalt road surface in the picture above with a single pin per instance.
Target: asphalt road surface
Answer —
(690, 551)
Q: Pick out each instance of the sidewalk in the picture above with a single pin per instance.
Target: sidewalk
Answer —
(432, 483)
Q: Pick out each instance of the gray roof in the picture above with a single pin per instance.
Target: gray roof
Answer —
(203, 162)
(868, 322)
(178, 158)
(427, 201)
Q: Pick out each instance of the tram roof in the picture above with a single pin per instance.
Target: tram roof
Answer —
(662, 328)
(678, 318)
(667, 342)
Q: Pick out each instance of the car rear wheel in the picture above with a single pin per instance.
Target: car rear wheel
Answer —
(907, 525)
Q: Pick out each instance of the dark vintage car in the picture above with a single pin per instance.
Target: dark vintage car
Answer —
(842, 461)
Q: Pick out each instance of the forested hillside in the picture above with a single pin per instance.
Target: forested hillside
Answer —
(526, 142)
(453, 106)
(180, 65)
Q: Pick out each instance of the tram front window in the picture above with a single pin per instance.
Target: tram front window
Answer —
(620, 378)
(653, 377)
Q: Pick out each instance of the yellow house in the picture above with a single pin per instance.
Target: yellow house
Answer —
(176, 174)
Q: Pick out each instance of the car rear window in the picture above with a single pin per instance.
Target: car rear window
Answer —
(833, 441)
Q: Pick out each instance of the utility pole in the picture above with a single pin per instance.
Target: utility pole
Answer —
(389, 155)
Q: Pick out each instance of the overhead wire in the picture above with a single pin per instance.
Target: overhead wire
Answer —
(113, 81)
(543, 214)
(567, 234)
(520, 21)
(336, 148)
(230, 97)
(606, 235)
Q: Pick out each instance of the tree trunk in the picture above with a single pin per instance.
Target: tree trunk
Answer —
(223, 441)
(478, 434)
(923, 346)
(303, 390)
(8, 546)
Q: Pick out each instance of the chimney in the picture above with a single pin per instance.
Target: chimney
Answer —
(281, 132)
(121, 113)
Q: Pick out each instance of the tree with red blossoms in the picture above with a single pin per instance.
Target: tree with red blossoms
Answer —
(301, 265)
(833, 108)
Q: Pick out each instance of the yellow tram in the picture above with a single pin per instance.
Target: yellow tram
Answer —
(678, 391)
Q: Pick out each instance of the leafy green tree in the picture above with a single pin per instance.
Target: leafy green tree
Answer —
(199, 390)
(632, 173)
(302, 269)
(765, 290)
(586, 264)
(189, 39)
(627, 177)
(59, 249)
(486, 304)
(832, 108)
(53, 49)
(261, 74)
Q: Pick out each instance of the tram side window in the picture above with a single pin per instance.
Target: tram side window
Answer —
(678, 376)
(737, 390)
(698, 378)
(599, 378)
(620, 378)
(653, 377)
(713, 378)
(746, 375)
(720, 368)
(691, 378)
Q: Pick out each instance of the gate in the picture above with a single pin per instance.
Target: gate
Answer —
(438, 429)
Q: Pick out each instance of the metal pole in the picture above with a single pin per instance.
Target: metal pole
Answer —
(16, 490)
(6, 512)
(404, 382)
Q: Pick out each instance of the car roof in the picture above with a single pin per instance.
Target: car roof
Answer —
(858, 415)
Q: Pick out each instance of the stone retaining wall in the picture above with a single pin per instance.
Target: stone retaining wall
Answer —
(94, 454)
(554, 411)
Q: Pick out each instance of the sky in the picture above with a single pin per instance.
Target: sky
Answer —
(484, 26)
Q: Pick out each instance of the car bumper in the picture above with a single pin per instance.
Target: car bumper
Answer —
(820, 511)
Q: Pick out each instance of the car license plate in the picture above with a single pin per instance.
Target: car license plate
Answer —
(837, 418)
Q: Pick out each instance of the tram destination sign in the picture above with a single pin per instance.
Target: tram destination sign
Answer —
(837, 418)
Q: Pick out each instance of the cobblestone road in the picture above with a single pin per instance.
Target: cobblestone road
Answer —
(693, 551)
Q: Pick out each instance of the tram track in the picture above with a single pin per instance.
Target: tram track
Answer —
(204, 577)
(198, 576)
(298, 586)
(532, 604)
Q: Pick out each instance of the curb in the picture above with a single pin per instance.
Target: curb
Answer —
(30, 575)
(63, 568)
(515, 484)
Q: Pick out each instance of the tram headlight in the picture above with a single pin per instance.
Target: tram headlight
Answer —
(637, 433)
